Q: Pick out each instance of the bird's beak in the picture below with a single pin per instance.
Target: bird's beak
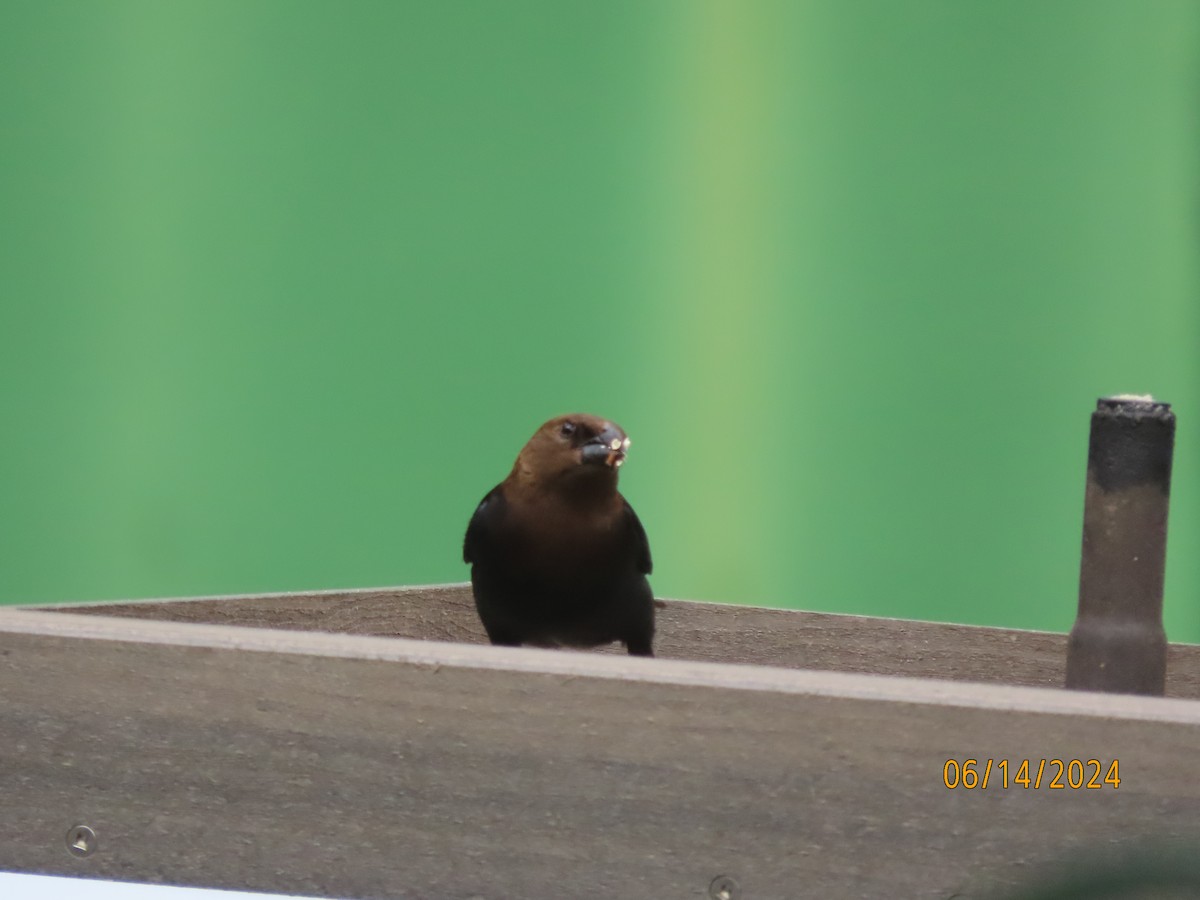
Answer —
(607, 448)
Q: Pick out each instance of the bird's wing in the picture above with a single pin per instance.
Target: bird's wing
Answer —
(641, 544)
(477, 529)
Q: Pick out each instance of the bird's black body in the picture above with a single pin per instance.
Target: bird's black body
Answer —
(558, 557)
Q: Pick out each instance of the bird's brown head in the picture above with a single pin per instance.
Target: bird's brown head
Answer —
(573, 451)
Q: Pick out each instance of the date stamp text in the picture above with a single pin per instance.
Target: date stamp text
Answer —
(1032, 774)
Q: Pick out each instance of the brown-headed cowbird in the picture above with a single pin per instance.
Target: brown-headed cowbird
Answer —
(557, 556)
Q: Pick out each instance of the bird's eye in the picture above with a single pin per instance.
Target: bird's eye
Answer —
(568, 429)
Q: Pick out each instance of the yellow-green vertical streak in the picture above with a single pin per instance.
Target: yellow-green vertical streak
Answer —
(717, 304)
(150, 365)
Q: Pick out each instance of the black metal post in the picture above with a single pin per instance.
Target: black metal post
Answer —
(1118, 643)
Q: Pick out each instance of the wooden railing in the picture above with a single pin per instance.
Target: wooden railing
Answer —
(367, 744)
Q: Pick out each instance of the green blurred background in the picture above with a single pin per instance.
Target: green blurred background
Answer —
(286, 285)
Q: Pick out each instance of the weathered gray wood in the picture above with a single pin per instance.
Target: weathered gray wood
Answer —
(354, 766)
(687, 630)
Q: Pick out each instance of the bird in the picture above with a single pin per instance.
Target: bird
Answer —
(558, 557)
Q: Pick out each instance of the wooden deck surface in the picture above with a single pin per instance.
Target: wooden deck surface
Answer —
(686, 630)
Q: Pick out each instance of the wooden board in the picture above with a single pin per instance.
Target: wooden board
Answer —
(687, 630)
(352, 766)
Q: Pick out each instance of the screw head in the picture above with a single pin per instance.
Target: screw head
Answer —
(723, 888)
(81, 841)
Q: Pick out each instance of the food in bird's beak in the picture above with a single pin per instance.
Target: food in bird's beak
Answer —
(616, 452)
